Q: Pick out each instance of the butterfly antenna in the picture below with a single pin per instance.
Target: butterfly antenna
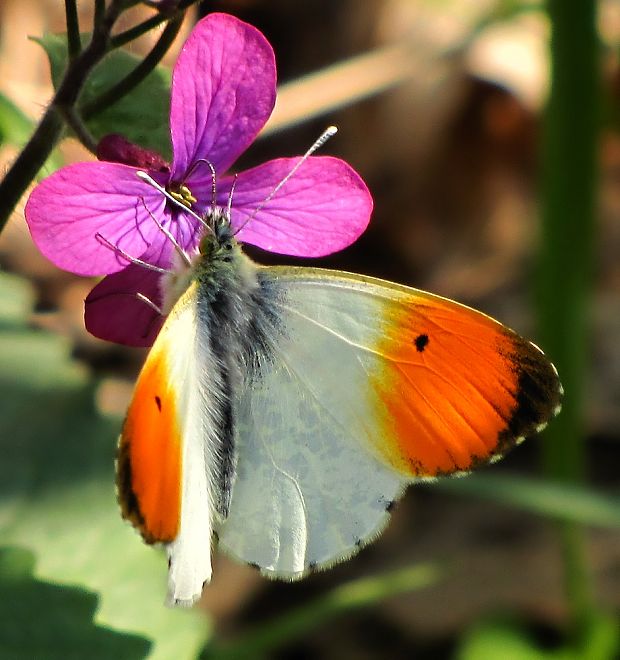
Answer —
(149, 179)
(209, 164)
(329, 132)
(213, 186)
(230, 197)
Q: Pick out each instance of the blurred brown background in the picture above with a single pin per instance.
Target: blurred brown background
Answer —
(447, 140)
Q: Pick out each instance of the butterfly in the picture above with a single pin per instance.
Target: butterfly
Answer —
(283, 410)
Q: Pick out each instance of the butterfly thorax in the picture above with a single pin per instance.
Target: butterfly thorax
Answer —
(216, 262)
(220, 262)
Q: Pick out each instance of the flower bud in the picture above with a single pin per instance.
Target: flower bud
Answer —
(118, 149)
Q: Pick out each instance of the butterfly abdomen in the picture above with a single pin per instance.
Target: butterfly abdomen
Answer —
(232, 303)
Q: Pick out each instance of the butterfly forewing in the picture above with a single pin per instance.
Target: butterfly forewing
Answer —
(455, 388)
(166, 449)
(370, 386)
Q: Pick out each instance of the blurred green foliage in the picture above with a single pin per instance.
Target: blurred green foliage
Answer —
(364, 592)
(16, 128)
(561, 501)
(502, 638)
(57, 497)
(43, 620)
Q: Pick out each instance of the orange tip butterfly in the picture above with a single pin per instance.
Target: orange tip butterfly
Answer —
(283, 410)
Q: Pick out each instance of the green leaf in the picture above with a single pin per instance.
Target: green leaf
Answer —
(569, 502)
(603, 638)
(141, 116)
(498, 639)
(16, 128)
(508, 640)
(57, 496)
(43, 620)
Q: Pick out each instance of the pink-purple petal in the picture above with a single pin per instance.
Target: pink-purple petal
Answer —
(187, 232)
(223, 91)
(322, 208)
(113, 312)
(68, 210)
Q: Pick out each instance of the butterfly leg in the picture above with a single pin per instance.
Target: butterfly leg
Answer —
(149, 303)
(130, 259)
(180, 251)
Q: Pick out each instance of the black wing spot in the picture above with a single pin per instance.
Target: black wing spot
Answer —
(312, 566)
(421, 342)
(390, 506)
(158, 403)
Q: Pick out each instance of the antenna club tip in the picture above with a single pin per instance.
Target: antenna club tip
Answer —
(331, 130)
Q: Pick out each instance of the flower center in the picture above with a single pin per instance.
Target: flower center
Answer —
(183, 195)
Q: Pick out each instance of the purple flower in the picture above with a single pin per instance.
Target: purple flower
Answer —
(85, 216)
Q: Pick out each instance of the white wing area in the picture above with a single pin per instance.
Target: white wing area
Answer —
(309, 490)
(190, 553)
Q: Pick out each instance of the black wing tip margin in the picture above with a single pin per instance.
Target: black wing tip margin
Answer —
(538, 395)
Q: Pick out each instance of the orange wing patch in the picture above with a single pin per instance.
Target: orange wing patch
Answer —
(149, 456)
(458, 388)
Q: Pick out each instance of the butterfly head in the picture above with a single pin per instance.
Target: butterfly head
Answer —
(218, 245)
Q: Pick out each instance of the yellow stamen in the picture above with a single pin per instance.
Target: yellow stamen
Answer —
(184, 196)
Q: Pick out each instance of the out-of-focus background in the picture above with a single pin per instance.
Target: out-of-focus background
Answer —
(439, 106)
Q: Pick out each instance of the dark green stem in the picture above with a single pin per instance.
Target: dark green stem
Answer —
(99, 13)
(49, 130)
(73, 119)
(135, 77)
(74, 43)
(150, 23)
(569, 176)
(137, 31)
